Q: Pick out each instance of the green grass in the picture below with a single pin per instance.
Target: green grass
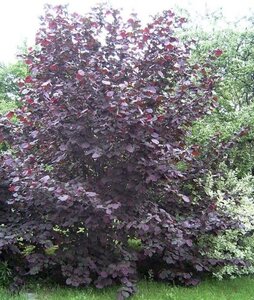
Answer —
(231, 289)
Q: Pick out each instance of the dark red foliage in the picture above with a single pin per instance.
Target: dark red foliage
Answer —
(96, 150)
(218, 52)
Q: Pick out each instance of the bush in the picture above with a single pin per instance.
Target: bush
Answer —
(235, 196)
(99, 156)
(222, 128)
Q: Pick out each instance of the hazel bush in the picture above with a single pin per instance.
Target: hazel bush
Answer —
(97, 194)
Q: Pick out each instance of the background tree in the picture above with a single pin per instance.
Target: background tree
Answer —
(9, 77)
(235, 67)
(236, 64)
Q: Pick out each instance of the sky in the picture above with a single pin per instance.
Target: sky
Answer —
(19, 18)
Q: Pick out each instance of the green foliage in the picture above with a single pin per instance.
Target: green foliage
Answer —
(224, 127)
(51, 250)
(135, 244)
(235, 90)
(236, 64)
(6, 106)
(9, 77)
(234, 196)
(5, 274)
(29, 249)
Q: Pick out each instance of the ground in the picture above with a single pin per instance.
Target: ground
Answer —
(210, 289)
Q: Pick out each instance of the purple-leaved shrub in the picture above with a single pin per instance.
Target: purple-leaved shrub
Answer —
(100, 171)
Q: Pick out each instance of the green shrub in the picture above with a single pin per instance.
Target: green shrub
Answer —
(224, 127)
(234, 196)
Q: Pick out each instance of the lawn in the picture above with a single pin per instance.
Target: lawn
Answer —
(234, 289)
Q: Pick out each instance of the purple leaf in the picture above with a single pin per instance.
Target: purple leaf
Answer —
(155, 141)
(45, 179)
(150, 89)
(91, 194)
(130, 148)
(185, 198)
(96, 155)
(63, 197)
(106, 82)
(161, 74)
(110, 94)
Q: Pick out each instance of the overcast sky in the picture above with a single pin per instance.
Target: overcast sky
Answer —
(19, 18)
